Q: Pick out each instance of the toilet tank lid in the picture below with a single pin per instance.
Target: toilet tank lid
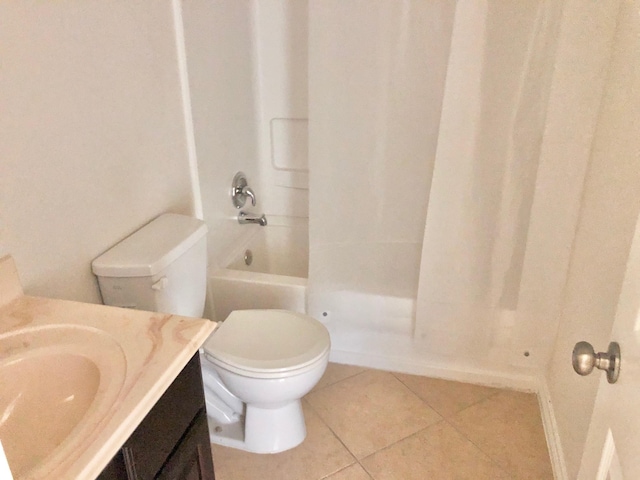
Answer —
(152, 248)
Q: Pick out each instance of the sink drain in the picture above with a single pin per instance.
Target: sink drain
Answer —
(248, 257)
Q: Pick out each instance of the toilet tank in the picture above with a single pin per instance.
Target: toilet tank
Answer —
(161, 267)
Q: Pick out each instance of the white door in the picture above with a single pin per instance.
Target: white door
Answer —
(612, 449)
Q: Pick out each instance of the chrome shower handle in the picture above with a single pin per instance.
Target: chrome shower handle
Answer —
(240, 190)
(247, 192)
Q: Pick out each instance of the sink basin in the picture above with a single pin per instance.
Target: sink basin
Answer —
(58, 384)
(45, 397)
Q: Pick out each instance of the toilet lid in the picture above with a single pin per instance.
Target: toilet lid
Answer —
(268, 340)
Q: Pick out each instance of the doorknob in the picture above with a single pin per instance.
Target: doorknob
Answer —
(585, 359)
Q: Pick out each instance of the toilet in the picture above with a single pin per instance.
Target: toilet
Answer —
(256, 366)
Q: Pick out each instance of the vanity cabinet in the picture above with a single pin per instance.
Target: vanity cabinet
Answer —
(172, 442)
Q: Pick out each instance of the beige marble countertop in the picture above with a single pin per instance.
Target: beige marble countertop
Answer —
(138, 353)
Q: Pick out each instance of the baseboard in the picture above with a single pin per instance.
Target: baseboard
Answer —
(551, 431)
(437, 369)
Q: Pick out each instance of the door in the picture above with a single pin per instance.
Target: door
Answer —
(613, 440)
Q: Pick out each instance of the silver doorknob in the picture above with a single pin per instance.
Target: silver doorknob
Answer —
(585, 359)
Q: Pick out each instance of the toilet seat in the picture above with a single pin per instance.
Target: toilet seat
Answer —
(265, 374)
(268, 343)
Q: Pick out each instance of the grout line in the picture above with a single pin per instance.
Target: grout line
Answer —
(369, 474)
(416, 394)
(403, 439)
(337, 471)
(341, 380)
(489, 457)
(481, 450)
(334, 433)
(344, 468)
(499, 390)
(491, 395)
(446, 420)
(399, 440)
(359, 460)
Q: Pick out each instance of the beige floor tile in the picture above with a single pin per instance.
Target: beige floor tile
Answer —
(508, 428)
(445, 397)
(353, 472)
(371, 410)
(336, 372)
(438, 452)
(319, 455)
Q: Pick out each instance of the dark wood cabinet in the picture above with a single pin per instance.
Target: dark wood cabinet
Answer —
(172, 442)
(192, 459)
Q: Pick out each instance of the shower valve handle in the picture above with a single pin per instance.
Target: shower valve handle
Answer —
(247, 192)
(240, 190)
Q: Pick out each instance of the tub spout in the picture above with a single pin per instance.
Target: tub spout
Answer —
(244, 217)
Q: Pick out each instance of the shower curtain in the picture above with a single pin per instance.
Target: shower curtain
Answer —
(478, 263)
(427, 121)
(376, 76)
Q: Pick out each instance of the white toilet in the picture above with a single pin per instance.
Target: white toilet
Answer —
(256, 366)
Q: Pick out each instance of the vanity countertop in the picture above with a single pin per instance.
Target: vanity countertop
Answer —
(121, 361)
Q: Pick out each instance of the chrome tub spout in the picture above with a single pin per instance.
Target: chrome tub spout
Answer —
(244, 217)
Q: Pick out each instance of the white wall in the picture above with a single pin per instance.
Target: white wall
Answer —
(92, 136)
(220, 63)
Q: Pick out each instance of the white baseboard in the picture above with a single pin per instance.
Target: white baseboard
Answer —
(551, 431)
(437, 369)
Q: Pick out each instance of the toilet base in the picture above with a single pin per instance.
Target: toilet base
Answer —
(262, 430)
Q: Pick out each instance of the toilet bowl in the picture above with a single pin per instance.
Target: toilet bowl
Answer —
(256, 366)
(267, 359)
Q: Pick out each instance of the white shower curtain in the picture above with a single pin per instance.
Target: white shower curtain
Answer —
(435, 110)
(476, 254)
(376, 75)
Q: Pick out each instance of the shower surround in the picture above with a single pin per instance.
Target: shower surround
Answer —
(412, 135)
(464, 220)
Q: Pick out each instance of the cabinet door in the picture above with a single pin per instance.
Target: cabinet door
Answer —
(176, 428)
(192, 459)
(116, 470)
(149, 446)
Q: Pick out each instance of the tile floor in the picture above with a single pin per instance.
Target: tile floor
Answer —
(365, 424)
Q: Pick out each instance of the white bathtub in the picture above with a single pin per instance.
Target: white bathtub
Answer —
(277, 276)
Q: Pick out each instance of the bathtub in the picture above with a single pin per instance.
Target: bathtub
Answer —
(276, 275)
